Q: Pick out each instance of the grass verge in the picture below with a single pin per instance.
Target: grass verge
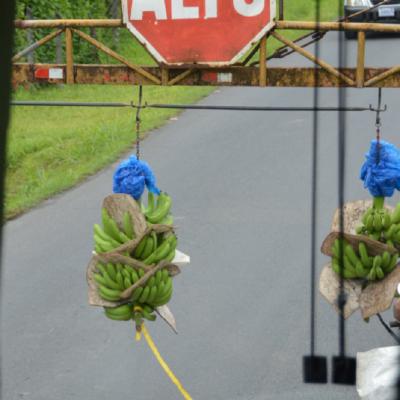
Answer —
(52, 148)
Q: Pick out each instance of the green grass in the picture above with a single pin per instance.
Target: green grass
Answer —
(52, 149)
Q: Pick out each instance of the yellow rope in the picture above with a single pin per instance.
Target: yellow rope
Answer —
(161, 361)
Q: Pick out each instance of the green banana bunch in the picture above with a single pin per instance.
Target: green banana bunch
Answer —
(110, 236)
(376, 221)
(359, 265)
(154, 248)
(113, 279)
(158, 210)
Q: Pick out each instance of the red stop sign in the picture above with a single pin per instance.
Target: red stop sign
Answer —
(198, 31)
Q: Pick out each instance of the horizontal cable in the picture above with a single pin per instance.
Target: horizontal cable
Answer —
(182, 106)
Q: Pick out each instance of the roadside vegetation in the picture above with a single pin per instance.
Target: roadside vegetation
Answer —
(52, 149)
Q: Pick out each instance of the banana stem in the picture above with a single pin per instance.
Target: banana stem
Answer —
(378, 202)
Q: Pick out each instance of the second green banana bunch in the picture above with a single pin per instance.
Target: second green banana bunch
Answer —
(113, 279)
(379, 224)
(358, 264)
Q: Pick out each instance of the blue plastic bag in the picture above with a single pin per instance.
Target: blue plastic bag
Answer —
(132, 176)
(381, 175)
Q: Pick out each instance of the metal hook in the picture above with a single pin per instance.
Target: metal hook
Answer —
(378, 122)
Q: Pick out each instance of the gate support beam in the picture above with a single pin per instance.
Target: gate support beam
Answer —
(338, 26)
(360, 60)
(69, 49)
(24, 73)
(314, 59)
(263, 61)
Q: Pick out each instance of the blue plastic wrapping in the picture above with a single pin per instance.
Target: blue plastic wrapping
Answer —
(382, 178)
(132, 176)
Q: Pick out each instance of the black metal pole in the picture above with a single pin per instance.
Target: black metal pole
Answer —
(281, 10)
(182, 106)
(6, 41)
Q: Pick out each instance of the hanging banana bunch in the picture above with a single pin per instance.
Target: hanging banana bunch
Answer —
(380, 224)
(134, 245)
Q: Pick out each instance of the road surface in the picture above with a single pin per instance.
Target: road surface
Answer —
(241, 189)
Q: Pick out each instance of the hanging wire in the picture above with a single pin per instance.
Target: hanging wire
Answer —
(388, 329)
(378, 124)
(138, 121)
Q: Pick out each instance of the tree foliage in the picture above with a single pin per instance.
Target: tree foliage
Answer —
(55, 9)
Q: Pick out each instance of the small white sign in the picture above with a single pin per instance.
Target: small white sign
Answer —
(56, 73)
(386, 12)
(224, 77)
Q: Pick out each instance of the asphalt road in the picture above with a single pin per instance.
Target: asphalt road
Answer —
(241, 189)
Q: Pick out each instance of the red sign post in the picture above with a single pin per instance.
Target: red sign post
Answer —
(213, 32)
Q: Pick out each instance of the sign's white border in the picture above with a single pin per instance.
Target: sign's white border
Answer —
(161, 59)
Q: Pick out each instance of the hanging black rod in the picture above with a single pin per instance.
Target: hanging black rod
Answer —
(181, 106)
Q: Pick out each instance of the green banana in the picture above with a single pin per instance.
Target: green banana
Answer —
(98, 231)
(162, 209)
(377, 223)
(109, 294)
(134, 275)
(361, 272)
(126, 273)
(114, 317)
(350, 253)
(158, 277)
(159, 254)
(396, 215)
(148, 316)
(148, 248)
(152, 294)
(136, 294)
(144, 295)
(385, 259)
(101, 268)
(120, 281)
(347, 274)
(372, 274)
(128, 225)
(386, 220)
(360, 229)
(377, 262)
(366, 215)
(121, 310)
(140, 247)
(370, 223)
(104, 246)
(111, 270)
(390, 232)
(110, 227)
(127, 283)
(165, 275)
(170, 256)
(393, 263)
(110, 282)
(362, 249)
(168, 220)
(379, 273)
(99, 279)
(150, 203)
